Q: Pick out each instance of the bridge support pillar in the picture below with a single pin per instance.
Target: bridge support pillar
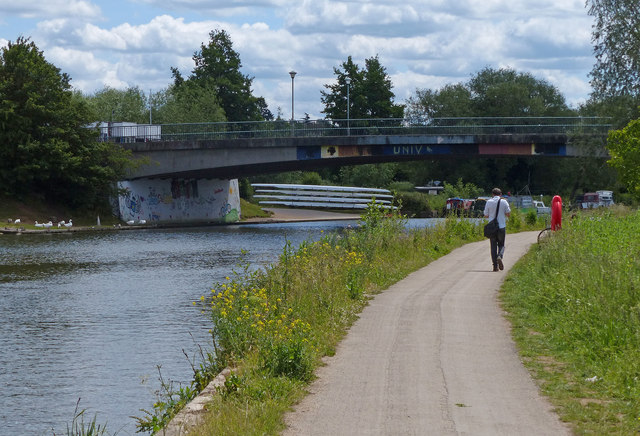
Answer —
(179, 200)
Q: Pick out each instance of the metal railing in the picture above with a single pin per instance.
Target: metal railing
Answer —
(360, 127)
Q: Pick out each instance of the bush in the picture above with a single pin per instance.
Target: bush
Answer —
(531, 218)
(401, 187)
(415, 204)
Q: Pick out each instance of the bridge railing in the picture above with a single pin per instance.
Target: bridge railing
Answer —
(363, 127)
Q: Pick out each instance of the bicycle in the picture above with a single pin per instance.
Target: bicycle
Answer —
(544, 235)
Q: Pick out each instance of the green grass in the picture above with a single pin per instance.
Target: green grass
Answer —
(274, 326)
(574, 302)
(251, 210)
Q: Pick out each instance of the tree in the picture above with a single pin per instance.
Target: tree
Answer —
(624, 149)
(189, 102)
(45, 145)
(369, 175)
(616, 39)
(217, 67)
(370, 94)
(450, 101)
(110, 104)
(620, 109)
(376, 88)
(461, 189)
(507, 93)
(490, 93)
(335, 101)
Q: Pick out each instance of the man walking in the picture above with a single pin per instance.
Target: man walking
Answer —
(497, 241)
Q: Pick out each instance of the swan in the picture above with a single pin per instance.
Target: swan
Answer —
(48, 225)
(17, 221)
(142, 222)
(130, 222)
(67, 225)
(39, 224)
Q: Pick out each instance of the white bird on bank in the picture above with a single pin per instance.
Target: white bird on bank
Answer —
(69, 224)
(142, 222)
(39, 224)
(130, 222)
(17, 221)
(48, 225)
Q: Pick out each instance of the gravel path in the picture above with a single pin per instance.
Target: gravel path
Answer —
(432, 355)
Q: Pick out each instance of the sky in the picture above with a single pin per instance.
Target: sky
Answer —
(423, 44)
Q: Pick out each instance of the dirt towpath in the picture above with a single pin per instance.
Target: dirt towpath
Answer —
(432, 355)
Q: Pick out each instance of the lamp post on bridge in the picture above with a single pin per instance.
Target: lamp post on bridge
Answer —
(293, 75)
(348, 82)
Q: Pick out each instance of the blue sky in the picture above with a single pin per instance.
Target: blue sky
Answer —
(421, 43)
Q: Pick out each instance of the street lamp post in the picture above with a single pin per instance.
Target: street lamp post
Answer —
(292, 74)
(348, 82)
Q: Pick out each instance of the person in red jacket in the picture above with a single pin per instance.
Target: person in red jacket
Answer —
(497, 241)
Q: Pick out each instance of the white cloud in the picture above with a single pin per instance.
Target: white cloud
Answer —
(51, 8)
(421, 43)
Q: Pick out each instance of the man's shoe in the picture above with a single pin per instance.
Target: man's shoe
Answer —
(495, 267)
(500, 264)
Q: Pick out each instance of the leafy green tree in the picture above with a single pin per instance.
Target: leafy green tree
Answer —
(450, 101)
(335, 101)
(620, 109)
(217, 68)
(188, 102)
(616, 39)
(376, 88)
(114, 105)
(370, 94)
(624, 148)
(507, 93)
(461, 189)
(45, 145)
(490, 93)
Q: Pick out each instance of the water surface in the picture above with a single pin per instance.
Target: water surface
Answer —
(89, 316)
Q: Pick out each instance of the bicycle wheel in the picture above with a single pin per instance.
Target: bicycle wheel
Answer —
(544, 235)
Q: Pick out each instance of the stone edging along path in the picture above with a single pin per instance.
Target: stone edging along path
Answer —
(192, 414)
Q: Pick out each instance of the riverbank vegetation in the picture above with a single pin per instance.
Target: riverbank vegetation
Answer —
(273, 326)
(574, 302)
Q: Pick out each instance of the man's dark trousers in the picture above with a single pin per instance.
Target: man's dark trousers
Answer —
(497, 245)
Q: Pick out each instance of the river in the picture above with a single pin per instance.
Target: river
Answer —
(89, 316)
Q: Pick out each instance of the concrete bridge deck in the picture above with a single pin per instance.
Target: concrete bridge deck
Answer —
(231, 150)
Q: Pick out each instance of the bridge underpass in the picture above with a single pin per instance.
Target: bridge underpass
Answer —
(192, 170)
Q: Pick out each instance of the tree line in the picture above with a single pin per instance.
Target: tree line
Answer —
(46, 149)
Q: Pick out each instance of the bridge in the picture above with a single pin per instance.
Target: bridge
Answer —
(230, 150)
(190, 154)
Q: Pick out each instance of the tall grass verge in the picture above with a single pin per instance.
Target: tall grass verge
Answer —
(273, 326)
(575, 306)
